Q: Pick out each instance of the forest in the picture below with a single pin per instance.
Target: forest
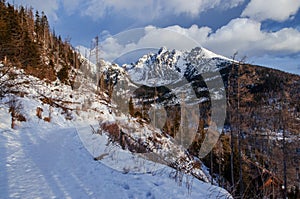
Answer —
(27, 42)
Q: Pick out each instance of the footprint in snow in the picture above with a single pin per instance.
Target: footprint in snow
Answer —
(126, 186)
(149, 195)
(158, 183)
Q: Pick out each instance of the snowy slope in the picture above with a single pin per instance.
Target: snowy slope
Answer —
(55, 160)
(48, 160)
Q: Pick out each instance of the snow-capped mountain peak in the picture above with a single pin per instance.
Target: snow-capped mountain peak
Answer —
(169, 66)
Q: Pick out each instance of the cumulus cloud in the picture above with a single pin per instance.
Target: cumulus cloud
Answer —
(246, 37)
(145, 10)
(241, 35)
(278, 10)
(148, 9)
(151, 37)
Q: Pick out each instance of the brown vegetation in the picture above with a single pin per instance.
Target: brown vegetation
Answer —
(27, 43)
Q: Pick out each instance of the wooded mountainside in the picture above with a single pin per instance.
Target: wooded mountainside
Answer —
(27, 42)
(263, 131)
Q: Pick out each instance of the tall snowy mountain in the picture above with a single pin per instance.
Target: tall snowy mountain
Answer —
(198, 97)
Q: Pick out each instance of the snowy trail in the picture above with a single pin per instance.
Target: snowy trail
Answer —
(50, 161)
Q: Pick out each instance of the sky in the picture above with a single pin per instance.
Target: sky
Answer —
(263, 32)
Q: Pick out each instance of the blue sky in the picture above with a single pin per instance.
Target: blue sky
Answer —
(266, 32)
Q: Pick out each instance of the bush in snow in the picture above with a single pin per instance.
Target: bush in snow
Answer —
(15, 108)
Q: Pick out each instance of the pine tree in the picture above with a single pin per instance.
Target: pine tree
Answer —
(44, 30)
(131, 107)
(37, 25)
(26, 42)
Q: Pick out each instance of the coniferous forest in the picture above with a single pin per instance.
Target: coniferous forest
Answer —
(27, 42)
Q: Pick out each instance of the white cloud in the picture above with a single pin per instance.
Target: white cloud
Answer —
(241, 35)
(141, 10)
(100, 8)
(111, 49)
(238, 35)
(150, 37)
(284, 40)
(71, 5)
(148, 9)
(195, 7)
(278, 10)
(246, 37)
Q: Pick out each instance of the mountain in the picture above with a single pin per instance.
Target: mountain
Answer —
(251, 113)
(160, 109)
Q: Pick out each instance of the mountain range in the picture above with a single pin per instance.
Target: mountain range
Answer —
(198, 114)
(247, 115)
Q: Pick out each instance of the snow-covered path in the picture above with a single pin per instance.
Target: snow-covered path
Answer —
(42, 160)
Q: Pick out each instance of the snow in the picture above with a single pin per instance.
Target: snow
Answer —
(111, 155)
(209, 54)
(49, 160)
(169, 66)
(56, 160)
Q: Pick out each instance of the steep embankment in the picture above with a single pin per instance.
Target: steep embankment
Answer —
(51, 159)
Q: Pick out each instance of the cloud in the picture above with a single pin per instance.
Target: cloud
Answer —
(241, 35)
(148, 9)
(50, 7)
(151, 37)
(278, 10)
(246, 37)
(144, 10)
(98, 9)
(71, 6)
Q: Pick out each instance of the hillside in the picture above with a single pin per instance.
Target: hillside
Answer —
(43, 158)
(27, 42)
(263, 118)
(261, 132)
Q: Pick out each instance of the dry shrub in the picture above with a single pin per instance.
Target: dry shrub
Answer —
(42, 72)
(39, 111)
(112, 129)
(116, 135)
(47, 119)
(46, 100)
(197, 165)
(20, 117)
(15, 108)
